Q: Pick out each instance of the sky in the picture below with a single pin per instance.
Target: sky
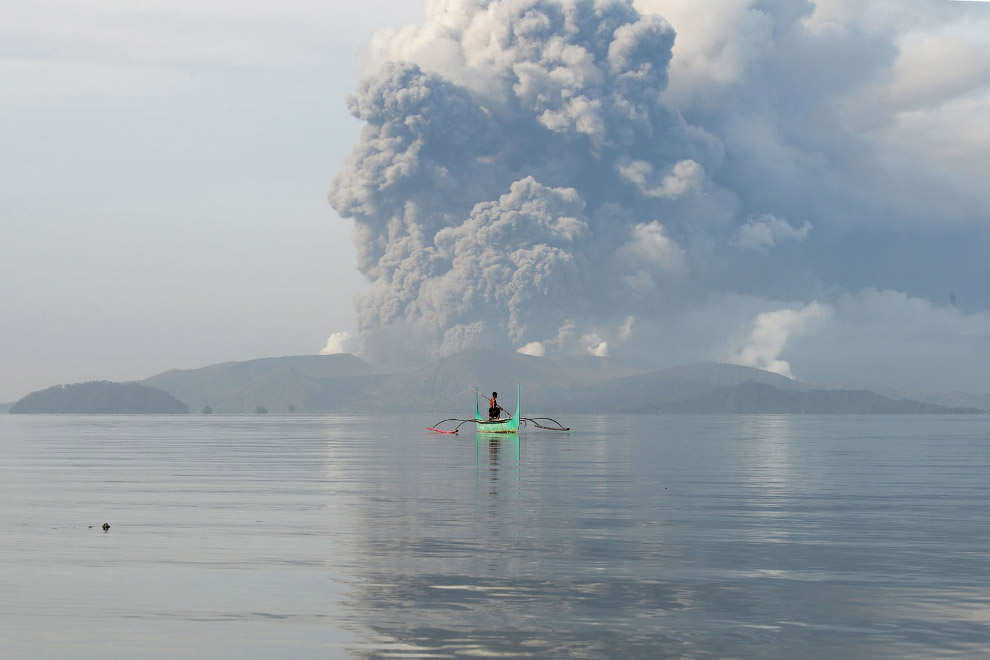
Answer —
(795, 186)
(164, 169)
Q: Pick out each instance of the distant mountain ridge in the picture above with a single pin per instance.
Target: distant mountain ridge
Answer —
(558, 384)
(953, 399)
(310, 383)
(550, 385)
(754, 397)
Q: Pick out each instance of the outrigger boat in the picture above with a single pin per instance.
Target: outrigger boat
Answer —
(500, 425)
(485, 425)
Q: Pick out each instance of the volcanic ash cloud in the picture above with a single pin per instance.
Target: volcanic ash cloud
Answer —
(531, 188)
(527, 179)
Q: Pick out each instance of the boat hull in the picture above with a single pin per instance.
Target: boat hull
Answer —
(510, 425)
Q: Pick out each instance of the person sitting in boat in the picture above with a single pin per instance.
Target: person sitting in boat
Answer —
(494, 410)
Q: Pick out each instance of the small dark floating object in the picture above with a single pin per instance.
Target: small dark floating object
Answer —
(106, 526)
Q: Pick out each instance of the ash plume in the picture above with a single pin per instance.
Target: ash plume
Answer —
(541, 184)
(548, 176)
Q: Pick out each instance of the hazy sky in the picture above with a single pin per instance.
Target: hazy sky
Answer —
(164, 168)
(815, 201)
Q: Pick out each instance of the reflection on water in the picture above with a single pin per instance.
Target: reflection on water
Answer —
(768, 443)
(658, 537)
(497, 462)
(770, 474)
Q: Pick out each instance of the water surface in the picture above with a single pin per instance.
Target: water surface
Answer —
(634, 536)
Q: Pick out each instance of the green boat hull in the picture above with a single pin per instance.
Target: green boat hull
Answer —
(510, 425)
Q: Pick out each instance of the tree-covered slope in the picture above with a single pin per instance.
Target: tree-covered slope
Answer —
(100, 397)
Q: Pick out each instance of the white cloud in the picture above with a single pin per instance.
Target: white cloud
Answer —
(764, 231)
(339, 342)
(534, 348)
(769, 334)
(599, 350)
(595, 345)
(933, 97)
(683, 177)
(653, 246)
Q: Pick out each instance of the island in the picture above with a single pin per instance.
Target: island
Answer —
(100, 398)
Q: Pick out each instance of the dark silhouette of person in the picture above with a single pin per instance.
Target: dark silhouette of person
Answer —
(494, 410)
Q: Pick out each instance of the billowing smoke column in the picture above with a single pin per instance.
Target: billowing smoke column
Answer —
(524, 180)
(534, 195)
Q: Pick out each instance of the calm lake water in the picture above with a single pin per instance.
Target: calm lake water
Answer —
(359, 537)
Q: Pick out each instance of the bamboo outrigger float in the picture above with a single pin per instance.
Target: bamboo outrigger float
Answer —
(500, 425)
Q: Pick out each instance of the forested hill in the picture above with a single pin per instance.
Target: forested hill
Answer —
(100, 397)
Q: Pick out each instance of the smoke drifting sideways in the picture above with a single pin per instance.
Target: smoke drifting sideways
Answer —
(525, 181)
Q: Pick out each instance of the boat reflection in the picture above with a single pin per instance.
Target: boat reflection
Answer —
(497, 457)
